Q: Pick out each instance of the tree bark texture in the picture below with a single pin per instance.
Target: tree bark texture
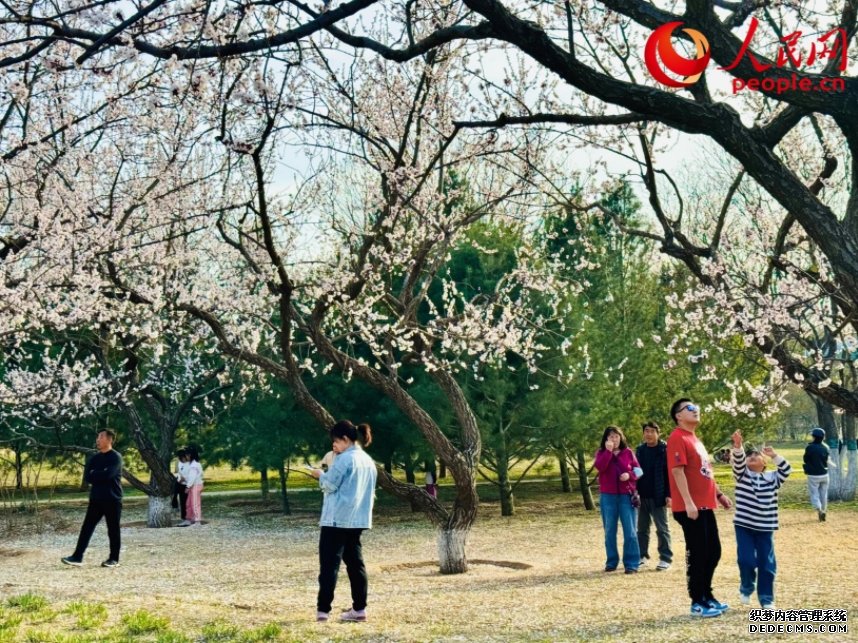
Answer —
(160, 512)
(583, 482)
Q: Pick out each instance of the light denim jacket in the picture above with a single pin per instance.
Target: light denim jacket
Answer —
(349, 489)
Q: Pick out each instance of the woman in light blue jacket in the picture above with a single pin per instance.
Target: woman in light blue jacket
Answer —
(349, 487)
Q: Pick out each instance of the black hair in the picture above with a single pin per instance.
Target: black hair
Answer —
(181, 452)
(677, 407)
(618, 431)
(345, 429)
(109, 433)
(650, 425)
(193, 454)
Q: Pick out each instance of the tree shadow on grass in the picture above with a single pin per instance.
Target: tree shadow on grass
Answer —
(634, 626)
(434, 563)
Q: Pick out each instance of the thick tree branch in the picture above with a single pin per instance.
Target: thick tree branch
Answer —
(567, 119)
(60, 30)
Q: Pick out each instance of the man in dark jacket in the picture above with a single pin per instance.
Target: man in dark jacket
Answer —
(816, 468)
(103, 473)
(654, 491)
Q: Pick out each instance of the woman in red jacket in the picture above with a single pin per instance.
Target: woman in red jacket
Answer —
(618, 470)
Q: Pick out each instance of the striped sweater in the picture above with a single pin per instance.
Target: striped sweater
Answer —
(757, 493)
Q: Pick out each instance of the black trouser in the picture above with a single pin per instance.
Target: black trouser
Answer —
(702, 552)
(111, 510)
(336, 544)
(180, 498)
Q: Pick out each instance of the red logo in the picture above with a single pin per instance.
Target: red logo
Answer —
(690, 68)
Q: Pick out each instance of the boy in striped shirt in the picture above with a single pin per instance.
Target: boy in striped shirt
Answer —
(756, 519)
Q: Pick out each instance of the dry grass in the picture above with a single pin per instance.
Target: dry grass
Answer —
(254, 569)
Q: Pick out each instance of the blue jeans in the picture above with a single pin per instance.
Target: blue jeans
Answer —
(756, 557)
(617, 507)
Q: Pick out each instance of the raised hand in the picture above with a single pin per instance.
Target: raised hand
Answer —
(737, 439)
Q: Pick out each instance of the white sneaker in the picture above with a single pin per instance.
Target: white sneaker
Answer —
(768, 606)
(663, 565)
(744, 599)
(353, 616)
(644, 561)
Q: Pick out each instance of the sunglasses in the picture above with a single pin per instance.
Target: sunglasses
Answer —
(690, 407)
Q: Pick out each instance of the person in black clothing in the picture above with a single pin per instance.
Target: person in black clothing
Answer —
(816, 468)
(180, 491)
(654, 491)
(103, 473)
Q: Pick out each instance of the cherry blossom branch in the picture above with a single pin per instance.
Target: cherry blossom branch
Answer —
(722, 216)
(436, 39)
(122, 26)
(789, 220)
(60, 30)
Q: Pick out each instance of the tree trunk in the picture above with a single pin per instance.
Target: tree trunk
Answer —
(836, 469)
(506, 497)
(408, 465)
(564, 472)
(388, 464)
(410, 478)
(160, 513)
(19, 469)
(848, 481)
(284, 475)
(442, 471)
(836, 473)
(583, 482)
(452, 543)
(264, 487)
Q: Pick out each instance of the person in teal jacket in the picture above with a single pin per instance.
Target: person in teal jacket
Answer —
(349, 488)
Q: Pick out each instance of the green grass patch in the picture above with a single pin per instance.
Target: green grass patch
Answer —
(220, 630)
(268, 632)
(28, 603)
(9, 623)
(144, 622)
(41, 636)
(88, 615)
(173, 637)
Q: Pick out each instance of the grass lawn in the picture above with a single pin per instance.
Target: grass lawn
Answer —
(250, 575)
